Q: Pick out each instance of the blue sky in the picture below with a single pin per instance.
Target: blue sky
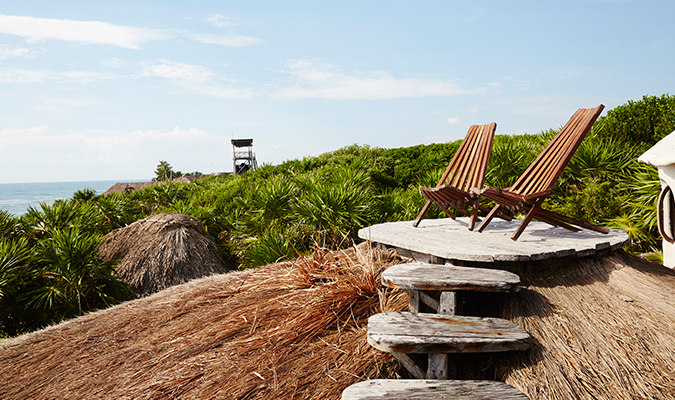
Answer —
(104, 90)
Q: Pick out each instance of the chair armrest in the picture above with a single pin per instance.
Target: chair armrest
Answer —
(536, 195)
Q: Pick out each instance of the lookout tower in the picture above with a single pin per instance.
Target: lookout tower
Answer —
(243, 157)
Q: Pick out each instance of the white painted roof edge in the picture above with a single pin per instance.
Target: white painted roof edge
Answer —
(662, 153)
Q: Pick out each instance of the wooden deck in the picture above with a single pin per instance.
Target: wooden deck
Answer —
(449, 241)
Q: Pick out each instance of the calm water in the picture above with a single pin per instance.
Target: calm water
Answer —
(17, 197)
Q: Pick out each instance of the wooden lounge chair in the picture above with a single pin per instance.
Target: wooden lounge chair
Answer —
(466, 170)
(536, 183)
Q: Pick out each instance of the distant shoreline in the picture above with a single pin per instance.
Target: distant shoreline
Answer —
(17, 197)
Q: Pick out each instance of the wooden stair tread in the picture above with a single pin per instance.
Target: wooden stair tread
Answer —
(425, 389)
(406, 332)
(423, 276)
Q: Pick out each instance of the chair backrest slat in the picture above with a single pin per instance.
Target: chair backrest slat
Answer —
(532, 178)
(456, 159)
(483, 157)
(545, 170)
(468, 165)
(463, 164)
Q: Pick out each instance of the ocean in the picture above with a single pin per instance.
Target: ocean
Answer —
(17, 197)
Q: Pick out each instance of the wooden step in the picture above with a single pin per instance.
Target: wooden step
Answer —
(417, 389)
(423, 276)
(421, 279)
(406, 332)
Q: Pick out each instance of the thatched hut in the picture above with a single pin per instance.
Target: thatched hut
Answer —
(603, 328)
(163, 250)
(128, 187)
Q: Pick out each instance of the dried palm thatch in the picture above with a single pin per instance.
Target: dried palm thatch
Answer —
(293, 330)
(163, 250)
(127, 187)
(603, 330)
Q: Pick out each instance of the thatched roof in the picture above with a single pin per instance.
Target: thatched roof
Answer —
(163, 250)
(128, 187)
(603, 329)
(187, 178)
(290, 330)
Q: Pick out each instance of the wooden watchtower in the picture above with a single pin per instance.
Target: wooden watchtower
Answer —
(243, 157)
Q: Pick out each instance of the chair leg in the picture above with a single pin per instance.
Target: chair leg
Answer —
(573, 221)
(446, 211)
(420, 216)
(527, 219)
(549, 219)
(474, 214)
(489, 217)
(505, 217)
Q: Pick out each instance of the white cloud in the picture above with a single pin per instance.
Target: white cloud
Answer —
(41, 154)
(41, 29)
(178, 71)
(115, 62)
(218, 91)
(11, 75)
(7, 52)
(219, 21)
(195, 79)
(65, 104)
(226, 40)
(315, 79)
(453, 121)
(22, 76)
(20, 137)
(83, 76)
(46, 137)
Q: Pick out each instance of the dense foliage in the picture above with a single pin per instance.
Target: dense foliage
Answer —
(49, 268)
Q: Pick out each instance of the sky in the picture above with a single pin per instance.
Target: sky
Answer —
(101, 90)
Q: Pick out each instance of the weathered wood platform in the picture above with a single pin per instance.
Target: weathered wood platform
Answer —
(416, 389)
(423, 276)
(406, 332)
(450, 241)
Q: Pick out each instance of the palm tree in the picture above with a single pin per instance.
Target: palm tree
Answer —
(14, 258)
(165, 172)
(70, 278)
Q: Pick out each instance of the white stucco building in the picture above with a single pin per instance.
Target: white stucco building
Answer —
(662, 156)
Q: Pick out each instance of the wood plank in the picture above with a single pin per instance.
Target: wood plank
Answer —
(406, 332)
(422, 276)
(413, 301)
(428, 300)
(448, 304)
(451, 240)
(409, 364)
(438, 366)
(413, 389)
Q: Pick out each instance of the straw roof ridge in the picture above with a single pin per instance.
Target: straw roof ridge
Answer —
(163, 250)
(288, 330)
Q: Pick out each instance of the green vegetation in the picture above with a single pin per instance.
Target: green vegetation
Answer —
(49, 268)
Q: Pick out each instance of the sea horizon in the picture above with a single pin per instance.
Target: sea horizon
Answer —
(17, 197)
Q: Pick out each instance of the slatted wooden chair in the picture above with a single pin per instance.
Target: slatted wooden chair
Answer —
(536, 183)
(466, 170)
